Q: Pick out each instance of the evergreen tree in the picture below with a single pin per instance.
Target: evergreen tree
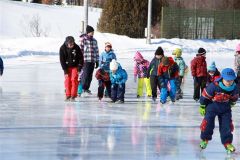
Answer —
(124, 17)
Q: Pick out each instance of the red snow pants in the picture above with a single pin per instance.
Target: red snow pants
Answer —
(71, 82)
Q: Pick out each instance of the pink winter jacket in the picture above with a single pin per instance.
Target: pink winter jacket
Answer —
(141, 66)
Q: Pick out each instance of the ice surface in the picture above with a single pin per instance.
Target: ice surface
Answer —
(36, 124)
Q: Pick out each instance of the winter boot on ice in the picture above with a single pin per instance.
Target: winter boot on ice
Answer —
(203, 144)
(229, 148)
(119, 101)
(67, 98)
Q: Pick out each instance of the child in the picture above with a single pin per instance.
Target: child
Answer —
(199, 72)
(182, 67)
(103, 81)
(104, 61)
(168, 73)
(152, 72)
(217, 100)
(140, 70)
(118, 77)
(213, 73)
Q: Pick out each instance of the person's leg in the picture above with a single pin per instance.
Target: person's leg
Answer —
(172, 92)
(100, 89)
(87, 75)
(90, 75)
(196, 93)
(207, 126)
(154, 83)
(114, 88)
(67, 84)
(140, 87)
(203, 83)
(121, 92)
(74, 82)
(148, 87)
(108, 87)
(226, 128)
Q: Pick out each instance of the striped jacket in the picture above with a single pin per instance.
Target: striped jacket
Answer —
(89, 48)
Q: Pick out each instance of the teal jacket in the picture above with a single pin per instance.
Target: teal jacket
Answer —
(181, 65)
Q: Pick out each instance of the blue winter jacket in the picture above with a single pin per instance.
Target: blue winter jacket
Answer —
(1, 66)
(105, 59)
(120, 77)
(181, 64)
(217, 99)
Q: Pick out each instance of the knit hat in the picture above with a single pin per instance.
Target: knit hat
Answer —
(159, 51)
(177, 52)
(89, 29)
(201, 51)
(138, 56)
(165, 61)
(108, 44)
(238, 48)
(228, 74)
(113, 65)
(212, 67)
(69, 40)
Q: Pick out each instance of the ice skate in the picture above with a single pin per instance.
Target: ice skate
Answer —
(203, 144)
(230, 148)
(67, 98)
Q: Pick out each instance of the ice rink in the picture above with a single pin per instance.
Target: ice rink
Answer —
(36, 123)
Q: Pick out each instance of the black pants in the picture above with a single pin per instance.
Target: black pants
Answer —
(117, 92)
(154, 84)
(178, 85)
(88, 69)
(101, 85)
(199, 85)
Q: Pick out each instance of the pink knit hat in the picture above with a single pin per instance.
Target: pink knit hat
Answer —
(138, 56)
(238, 47)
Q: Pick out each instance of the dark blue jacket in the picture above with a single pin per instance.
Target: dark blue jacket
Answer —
(153, 67)
(1, 66)
(218, 100)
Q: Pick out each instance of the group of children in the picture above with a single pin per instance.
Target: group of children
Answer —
(110, 75)
(219, 92)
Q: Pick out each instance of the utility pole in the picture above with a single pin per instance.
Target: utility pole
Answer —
(149, 22)
(86, 14)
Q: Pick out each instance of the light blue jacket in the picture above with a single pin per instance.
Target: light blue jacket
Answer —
(181, 65)
(120, 77)
(105, 59)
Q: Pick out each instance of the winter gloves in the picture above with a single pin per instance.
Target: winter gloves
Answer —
(202, 110)
(232, 104)
(96, 65)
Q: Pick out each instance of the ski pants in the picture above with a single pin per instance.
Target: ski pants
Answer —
(117, 92)
(101, 85)
(199, 85)
(141, 82)
(164, 89)
(71, 82)
(225, 126)
(88, 69)
(154, 84)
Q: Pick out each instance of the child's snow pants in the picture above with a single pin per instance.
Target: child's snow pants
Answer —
(141, 82)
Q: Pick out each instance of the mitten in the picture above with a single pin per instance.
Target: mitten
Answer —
(202, 110)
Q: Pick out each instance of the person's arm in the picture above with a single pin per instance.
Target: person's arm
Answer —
(63, 60)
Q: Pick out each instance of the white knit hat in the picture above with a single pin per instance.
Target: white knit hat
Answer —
(113, 65)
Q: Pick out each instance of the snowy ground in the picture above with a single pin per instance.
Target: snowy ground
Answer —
(36, 124)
